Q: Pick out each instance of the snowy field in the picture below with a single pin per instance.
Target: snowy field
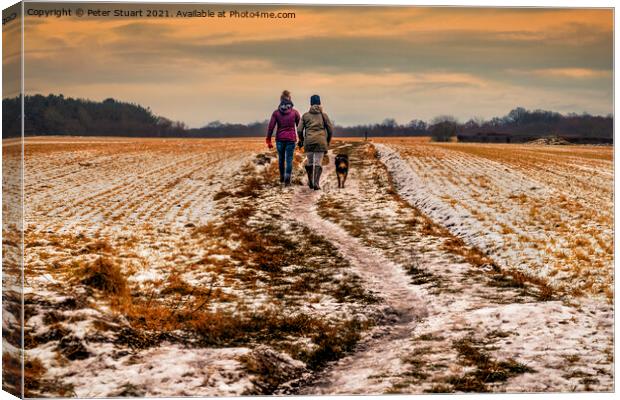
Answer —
(165, 267)
(546, 210)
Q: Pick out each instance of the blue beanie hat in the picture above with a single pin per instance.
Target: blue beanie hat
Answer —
(315, 99)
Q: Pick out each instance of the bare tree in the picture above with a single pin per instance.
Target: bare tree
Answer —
(443, 128)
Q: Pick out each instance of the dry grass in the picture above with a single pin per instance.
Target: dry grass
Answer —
(486, 370)
(246, 254)
(338, 211)
(470, 254)
(103, 274)
(558, 199)
(332, 342)
(11, 374)
(222, 194)
(12, 305)
(34, 383)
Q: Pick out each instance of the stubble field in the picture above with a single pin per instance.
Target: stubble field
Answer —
(547, 210)
(179, 267)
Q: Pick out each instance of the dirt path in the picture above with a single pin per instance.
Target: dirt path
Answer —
(448, 325)
(380, 353)
(292, 273)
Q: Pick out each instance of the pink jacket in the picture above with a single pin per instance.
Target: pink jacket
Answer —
(287, 122)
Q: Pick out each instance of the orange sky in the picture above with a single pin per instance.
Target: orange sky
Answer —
(367, 63)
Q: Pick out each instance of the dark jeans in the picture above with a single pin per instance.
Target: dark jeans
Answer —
(286, 150)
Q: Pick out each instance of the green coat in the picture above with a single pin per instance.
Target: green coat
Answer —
(312, 130)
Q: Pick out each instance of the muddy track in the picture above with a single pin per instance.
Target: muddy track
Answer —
(437, 310)
(416, 346)
(405, 303)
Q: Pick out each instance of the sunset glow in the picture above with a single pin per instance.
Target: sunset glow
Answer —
(368, 63)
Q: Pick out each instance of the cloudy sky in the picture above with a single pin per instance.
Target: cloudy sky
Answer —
(367, 63)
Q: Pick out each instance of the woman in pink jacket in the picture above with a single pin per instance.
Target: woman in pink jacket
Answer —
(285, 118)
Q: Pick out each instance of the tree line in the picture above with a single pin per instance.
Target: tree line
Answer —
(543, 123)
(59, 115)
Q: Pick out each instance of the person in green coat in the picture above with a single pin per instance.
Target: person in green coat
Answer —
(315, 133)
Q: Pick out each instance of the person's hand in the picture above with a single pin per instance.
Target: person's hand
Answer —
(269, 144)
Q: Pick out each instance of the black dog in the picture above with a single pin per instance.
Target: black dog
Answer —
(342, 168)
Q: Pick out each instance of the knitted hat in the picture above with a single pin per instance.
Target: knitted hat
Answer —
(315, 99)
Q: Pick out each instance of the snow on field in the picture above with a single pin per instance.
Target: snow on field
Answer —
(544, 210)
(169, 370)
(179, 267)
(164, 268)
(547, 211)
(128, 200)
(91, 186)
(482, 329)
(11, 265)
